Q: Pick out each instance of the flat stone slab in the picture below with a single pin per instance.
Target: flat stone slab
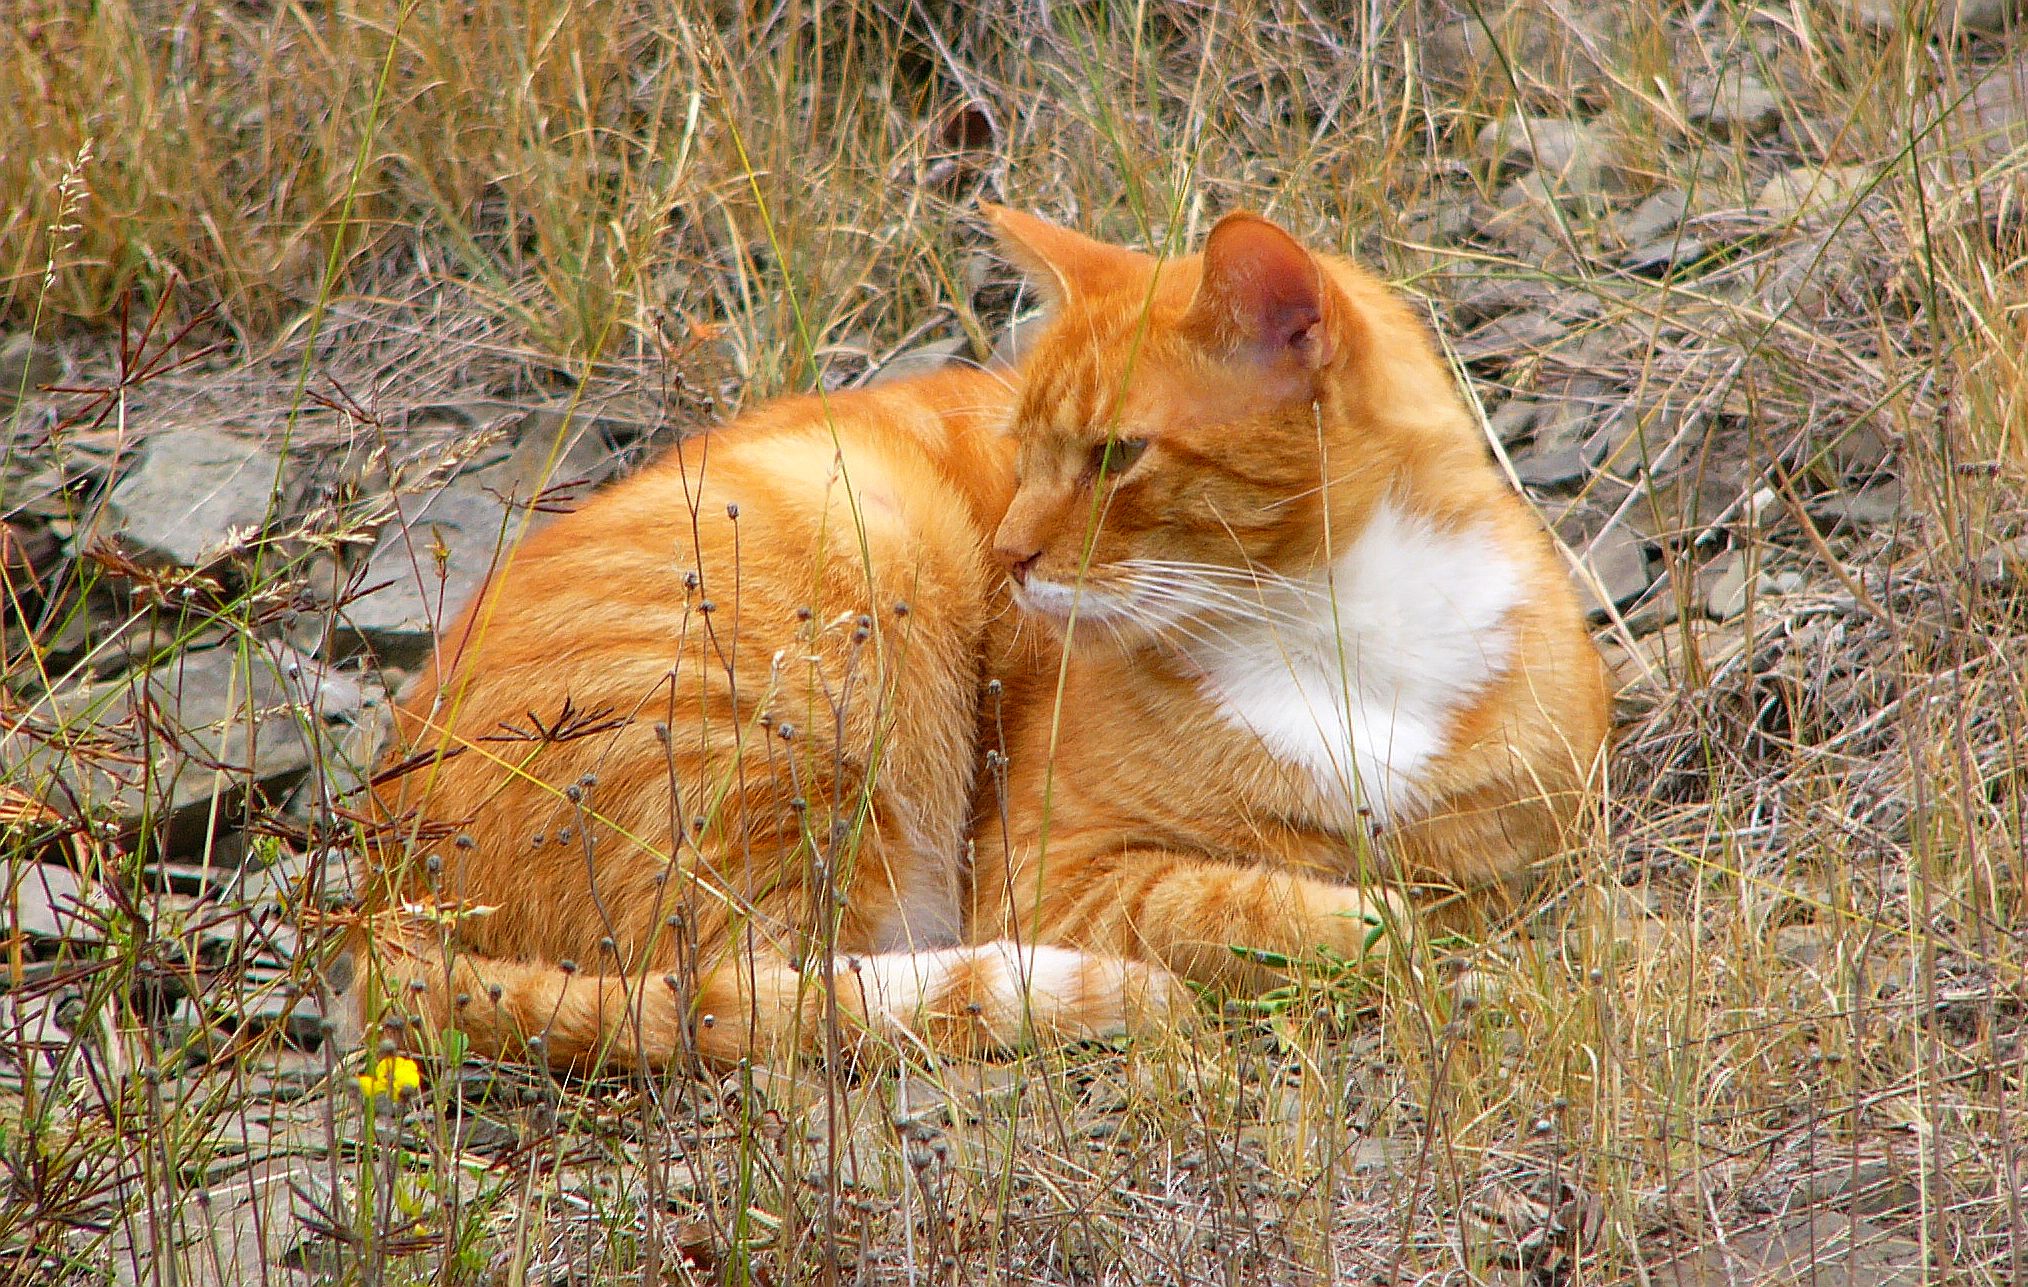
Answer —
(1620, 566)
(426, 567)
(1820, 1248)
(191, 492)
(42, 901)
(431, 560)
(167, 747)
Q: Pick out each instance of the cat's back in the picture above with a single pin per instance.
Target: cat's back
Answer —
(923, 451)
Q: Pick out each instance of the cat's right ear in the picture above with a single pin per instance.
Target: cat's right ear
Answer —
(1066, 265)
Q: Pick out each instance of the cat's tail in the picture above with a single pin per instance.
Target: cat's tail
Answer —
(960, 1000)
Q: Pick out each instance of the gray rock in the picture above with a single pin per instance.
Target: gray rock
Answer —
(260, 1001)
(1657, 257)
(1809, 277)
(1979, 125)
(1566, 448)
(920, 360)
(1811, 189)
(1372, 1155)
(555, 456)
(41, 901)
(1445, 224)
(1725, 590)
(1657, 215)
(190, 493)
(1538, 191)
(1725, 586)
(1933, 17)
(26, 364)
(1511, 335)
(158, 747)
(1871, 1188)
(1550, 466)
(1619, 563)
(248, 1230)
(1732, 100)
(1804, 945)
(40, 1026)
(1570, 153)
(423, 571)
(1874, 506)
(2005, 566)
(1479, 297)
(1514, 420)
(1490, 47)
(1798, 1251)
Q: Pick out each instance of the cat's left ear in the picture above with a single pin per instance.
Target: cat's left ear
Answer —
(1263, 297)
(1067, 265)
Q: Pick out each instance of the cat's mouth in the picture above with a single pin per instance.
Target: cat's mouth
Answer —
(1061, 601)
(1120, 612)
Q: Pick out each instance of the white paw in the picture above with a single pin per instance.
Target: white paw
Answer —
(1064, 994)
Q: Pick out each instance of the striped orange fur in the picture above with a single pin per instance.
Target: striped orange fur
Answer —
(704, 749)
(696, 773)
(1289, 635)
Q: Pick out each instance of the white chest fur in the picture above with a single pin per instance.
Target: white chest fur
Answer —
(1356, 675)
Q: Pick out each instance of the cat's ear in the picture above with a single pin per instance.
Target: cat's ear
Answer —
(1067, 265)
(1262, 297)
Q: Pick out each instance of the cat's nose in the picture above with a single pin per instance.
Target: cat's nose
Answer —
(1018, 560)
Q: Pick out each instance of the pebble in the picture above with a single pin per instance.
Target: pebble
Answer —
(1733, 100)
(1566, 151)
(1934, 17)
(1808, 189)
(920, 360)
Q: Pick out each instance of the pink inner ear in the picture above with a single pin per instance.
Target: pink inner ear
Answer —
(1265, 284)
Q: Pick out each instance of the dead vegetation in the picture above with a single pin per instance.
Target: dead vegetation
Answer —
(1738, 286)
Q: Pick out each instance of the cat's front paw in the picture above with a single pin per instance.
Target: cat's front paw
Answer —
(1369, 923)
(1066, 994)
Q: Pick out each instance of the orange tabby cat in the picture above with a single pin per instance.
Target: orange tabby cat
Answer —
(1314, 639)
(1303, 636)
(709, 740)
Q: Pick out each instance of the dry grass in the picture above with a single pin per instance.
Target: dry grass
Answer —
(1792, 959)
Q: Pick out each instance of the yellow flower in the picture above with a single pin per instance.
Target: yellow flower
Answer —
(395, 1075)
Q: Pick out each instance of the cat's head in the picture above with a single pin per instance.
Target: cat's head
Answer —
(1189, 425)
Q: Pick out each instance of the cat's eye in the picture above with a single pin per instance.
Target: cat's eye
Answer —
(1115, 456)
